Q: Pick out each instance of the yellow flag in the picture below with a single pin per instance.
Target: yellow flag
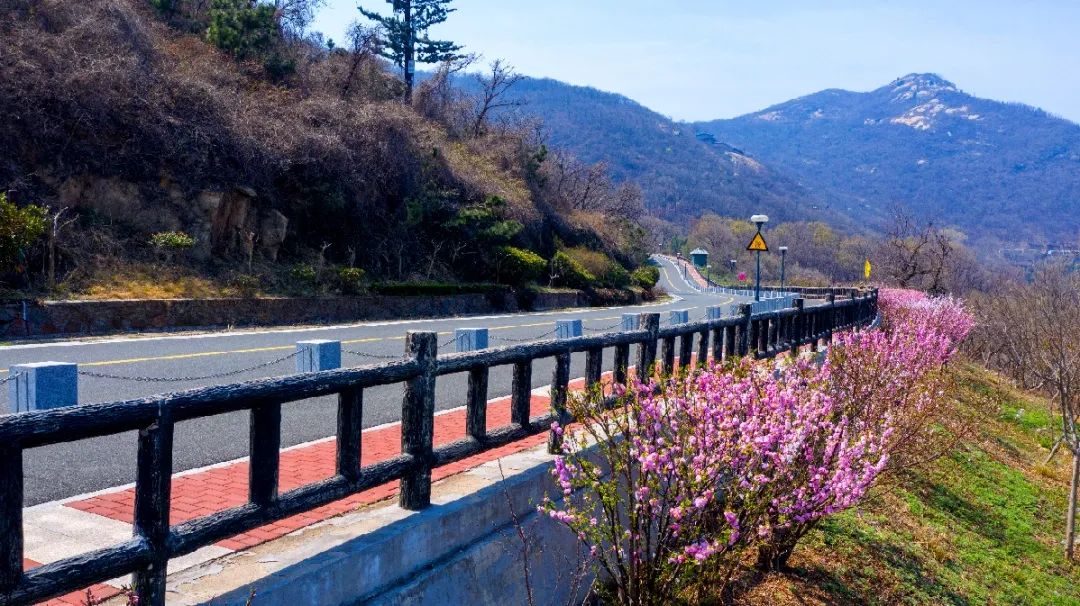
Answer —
(866, 269)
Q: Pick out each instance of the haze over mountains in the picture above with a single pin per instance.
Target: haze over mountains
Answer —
(998, 172)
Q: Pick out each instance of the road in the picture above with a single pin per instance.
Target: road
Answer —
(65, 470)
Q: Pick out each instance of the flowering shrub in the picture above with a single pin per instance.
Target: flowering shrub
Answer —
(676, 481)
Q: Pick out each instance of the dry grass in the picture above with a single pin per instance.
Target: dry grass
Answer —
(135, 282)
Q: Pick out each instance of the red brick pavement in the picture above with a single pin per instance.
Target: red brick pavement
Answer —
(203, 493)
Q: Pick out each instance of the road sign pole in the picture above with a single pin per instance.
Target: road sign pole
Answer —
(757, 278)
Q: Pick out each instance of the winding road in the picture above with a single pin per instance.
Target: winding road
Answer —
(64, 470)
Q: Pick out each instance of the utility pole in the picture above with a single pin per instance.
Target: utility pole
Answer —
(783, 258)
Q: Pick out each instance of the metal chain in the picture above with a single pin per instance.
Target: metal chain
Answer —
(365, 354)
(604, 329)
(527, 339)
(219, 375)
(448, 342)
(10, 378)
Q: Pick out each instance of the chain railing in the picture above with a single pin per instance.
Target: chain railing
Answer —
(186, 379)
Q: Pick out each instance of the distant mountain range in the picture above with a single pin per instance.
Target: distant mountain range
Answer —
(999, 172)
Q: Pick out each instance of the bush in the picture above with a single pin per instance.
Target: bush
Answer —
(304, 273)
(518, 266)
(19, 229)
(569, 273)
(171, 241)
(646, 276)
(351, 280)
(606, 271)
(246, 285)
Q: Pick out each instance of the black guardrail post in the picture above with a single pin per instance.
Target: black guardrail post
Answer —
(418, 420)
(745, 329)
(646, 358)
(350, 417)
(798, 327)
(11, 521)
(153, 486)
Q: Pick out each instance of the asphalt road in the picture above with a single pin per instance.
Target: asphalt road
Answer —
(64, 470)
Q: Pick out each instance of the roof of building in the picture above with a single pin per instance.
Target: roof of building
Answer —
(699, 251)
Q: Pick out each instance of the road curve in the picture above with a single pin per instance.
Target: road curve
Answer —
(65, 470)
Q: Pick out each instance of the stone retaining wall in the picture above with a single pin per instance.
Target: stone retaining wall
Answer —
(58, 318)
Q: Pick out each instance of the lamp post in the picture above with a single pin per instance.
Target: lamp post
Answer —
(732, 262)
(758, 220)
(783, 257)
(708, 275)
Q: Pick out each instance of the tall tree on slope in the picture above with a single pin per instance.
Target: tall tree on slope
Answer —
(405, 39)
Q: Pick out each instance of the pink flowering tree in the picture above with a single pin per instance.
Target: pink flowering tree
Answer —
(676, 481)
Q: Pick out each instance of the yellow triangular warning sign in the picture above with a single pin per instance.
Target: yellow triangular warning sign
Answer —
(758, 243)
(866, 269)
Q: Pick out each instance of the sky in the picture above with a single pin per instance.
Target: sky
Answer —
(709, 59)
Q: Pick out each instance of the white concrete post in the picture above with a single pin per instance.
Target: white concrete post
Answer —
(715, 312)
(43, 385)
(680, 316)
(567, 329)
(470, 339)
(318, 355)
(629, 322)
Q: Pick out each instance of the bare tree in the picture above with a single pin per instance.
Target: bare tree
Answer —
(916, 255)
(57, 224)
(494, 85)
(1034, 335)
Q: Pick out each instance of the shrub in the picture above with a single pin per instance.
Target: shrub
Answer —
(351, 280)
(171, 241)
(607, 271)
(304, 273)
(568, 272)
(646, 276)
(247, 285)
(518, 266)
(19, 229)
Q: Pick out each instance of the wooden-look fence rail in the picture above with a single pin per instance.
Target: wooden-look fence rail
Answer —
(155, 540)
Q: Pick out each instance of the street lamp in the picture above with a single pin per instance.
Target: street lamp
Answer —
(732, 262)
(708, 275)
(758, 220)
(783, 257)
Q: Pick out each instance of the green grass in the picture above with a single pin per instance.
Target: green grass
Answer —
(981, 526)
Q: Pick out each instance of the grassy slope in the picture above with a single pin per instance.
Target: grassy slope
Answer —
(982, 526)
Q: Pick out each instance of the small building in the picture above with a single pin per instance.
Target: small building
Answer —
(699, 257)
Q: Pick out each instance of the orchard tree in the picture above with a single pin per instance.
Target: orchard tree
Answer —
(405, 39)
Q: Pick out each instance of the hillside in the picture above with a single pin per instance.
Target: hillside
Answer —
(282, 163)
(995, 170)
(980, 526)
(681, 175)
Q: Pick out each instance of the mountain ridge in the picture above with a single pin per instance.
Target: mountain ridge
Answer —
(923, 143)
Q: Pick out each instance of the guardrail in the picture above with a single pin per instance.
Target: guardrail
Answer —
(155, 540)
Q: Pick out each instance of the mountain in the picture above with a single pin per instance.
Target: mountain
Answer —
(681, 175)
(996, 171)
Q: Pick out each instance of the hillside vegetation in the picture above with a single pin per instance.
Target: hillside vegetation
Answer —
(173, 146)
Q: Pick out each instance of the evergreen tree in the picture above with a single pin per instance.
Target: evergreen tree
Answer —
(405, 39)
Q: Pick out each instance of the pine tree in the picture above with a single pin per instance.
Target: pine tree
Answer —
(405, 38)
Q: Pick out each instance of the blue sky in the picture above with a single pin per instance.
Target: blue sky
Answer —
(700, 59)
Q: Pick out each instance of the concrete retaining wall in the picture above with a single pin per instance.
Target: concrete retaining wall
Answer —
(465, 549)
(32, 319)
